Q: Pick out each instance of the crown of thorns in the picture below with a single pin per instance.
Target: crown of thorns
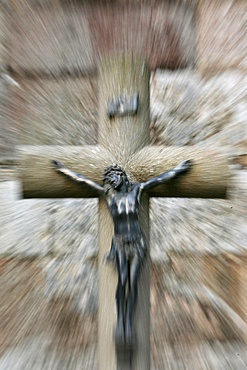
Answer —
(114, 169)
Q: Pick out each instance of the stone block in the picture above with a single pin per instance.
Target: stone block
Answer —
(162, 32)
(4, 132)
(187, 109)
(4, 22)
(221, 35)
(8, 133)
(54, 112)
(72, 278)
(9, 193)
(24, 223)
(74, 228)
(226, 275)
(5, 147)
(25, 229)
(38, 332)
(242, 278)
(185, 316)
(20, 304)
(43, 227)
(49, 38)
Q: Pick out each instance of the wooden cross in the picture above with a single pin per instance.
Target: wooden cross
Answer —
(123, 139)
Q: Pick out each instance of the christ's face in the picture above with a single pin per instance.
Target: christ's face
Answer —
(116, 180)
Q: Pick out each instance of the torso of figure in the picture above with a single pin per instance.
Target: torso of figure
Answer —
(124, 208)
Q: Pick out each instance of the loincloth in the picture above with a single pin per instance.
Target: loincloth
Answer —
(129, 249)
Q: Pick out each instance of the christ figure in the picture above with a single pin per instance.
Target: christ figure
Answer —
(128, 248)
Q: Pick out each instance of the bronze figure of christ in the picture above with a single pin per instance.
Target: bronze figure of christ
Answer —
(128, 247)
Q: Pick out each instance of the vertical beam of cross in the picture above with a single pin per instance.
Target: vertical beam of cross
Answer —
(123, 135)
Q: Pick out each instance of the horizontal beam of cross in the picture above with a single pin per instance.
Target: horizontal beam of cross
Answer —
(207, 179)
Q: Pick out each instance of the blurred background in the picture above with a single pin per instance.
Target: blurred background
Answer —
(49, 53)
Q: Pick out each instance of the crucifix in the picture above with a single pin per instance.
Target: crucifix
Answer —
(123, 139)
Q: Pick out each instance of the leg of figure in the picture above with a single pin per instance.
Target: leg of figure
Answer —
(131, 300)
(121, 302)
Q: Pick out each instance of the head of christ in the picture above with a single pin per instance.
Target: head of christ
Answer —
(115, 177)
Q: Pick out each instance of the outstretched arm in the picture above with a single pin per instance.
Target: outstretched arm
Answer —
(166, 176)
(60, 167)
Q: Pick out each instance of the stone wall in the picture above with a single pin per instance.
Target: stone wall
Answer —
(49, 51)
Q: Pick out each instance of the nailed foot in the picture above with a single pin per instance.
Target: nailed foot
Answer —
(119, 337)
(124, 339)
